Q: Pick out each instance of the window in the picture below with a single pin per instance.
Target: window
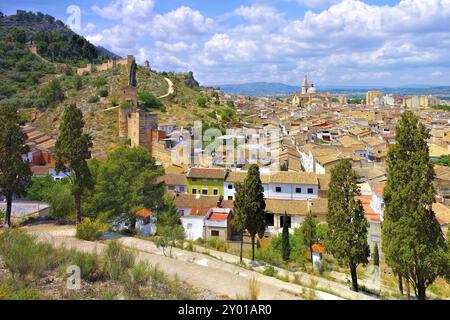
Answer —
(310, 190)
(189, 225)
(205, 191)
(230, 197)
(171, 187)
(215, 192)
(181, 189)
(214, 233)
(277, 189)
(288, 221)
(194, 190)
(269, 219)
(298, 190)
(230, 186)
(194, 179)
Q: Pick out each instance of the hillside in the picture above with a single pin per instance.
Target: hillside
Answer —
(41, 83)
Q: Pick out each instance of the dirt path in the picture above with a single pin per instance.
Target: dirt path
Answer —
(170, 90)
(229, 283)
(208, 269)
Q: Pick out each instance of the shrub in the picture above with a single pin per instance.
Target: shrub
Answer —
(114, 101)
(140, 273)
(149, 100)
(202, 101)
(117, 260)
(13, 290)
(270, 271)
(89, 264)
(93, 99)
(100, 81)
(60, 199)
(103, 92)
(91, 229)
(269, 255)
(217, 244)
(77, 82)
(22, 254)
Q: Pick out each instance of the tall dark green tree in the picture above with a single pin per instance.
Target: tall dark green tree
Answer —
(15, 174)
(347, 235)
(240, 214)
(309, 231)
(412, 240)
(376, 256)
(250, 205)
(285, 245)
(72, 149)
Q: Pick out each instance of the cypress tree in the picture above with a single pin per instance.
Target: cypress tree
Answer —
(71, 153)
(15, 174)
(309, 231)
(285, 245)
(347, 234)
(412, 240)
(376, 256)
(249, 206)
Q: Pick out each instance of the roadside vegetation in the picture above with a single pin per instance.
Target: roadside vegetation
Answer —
(30, 269)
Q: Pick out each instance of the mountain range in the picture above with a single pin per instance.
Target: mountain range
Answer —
(276, 89)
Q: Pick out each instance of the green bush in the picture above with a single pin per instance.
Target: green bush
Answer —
(270, 271)
(103, 92)
(269, 255)
(117, 260)
(100, 81)
(89, 264)
(93, 99)
(114, 101)
(60, 198)
(140, 273)
(22, 255)
(90, 229)
(149, 100)
(14, 290)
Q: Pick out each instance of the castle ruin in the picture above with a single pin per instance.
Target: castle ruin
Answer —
(135, 124)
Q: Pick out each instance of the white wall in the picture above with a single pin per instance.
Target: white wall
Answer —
(193, 227)
(287, 191)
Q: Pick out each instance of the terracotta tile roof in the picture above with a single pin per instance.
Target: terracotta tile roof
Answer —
(207, 173)
(144, 213)
(216, 216)
(199, 211)
(290, 177)
(442, 213)
(318, 247)
(236, 176)
(173, 179)
(184, 200)
(324, 181)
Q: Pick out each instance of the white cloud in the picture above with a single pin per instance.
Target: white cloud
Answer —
(89, 27)
(181, 23)
(125, 9)
(339, 41)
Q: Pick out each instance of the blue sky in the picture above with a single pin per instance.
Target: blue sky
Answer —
(335, 42)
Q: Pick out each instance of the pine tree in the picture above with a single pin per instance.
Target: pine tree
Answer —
(249, 206)
(15, 174)
(71, 153)
(376, 256)
(412, 240)
(285, 245)
(347, 235)
(309, 231)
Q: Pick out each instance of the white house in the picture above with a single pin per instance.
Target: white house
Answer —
(145, 222)
(278, 185)
(193, 225)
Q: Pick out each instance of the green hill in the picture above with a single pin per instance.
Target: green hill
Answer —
(42, 79)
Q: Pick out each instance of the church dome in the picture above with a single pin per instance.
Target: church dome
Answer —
(312, 89)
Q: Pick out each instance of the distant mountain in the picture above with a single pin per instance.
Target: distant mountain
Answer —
(259, 89)
(268, 89)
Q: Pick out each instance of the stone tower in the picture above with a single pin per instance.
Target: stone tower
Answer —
(134, 124)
